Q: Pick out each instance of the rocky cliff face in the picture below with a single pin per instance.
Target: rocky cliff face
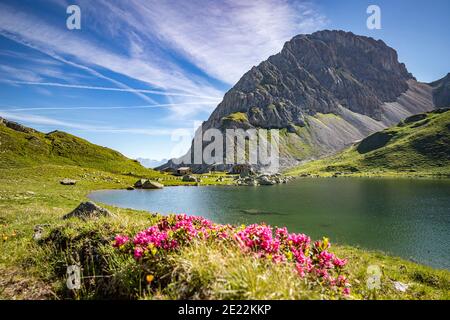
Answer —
(15, 126)
(317, 73)
(324, 91)
(441, 92)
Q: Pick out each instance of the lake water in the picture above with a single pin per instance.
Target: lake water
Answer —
(405, 217)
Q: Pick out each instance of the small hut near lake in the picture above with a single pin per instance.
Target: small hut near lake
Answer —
(184, 171)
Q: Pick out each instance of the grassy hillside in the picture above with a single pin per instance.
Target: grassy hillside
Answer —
(24, 147)
(36, 269)
(32, 269)
(417, 146)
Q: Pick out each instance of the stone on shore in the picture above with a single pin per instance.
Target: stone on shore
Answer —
(152, 185)
(139, 183)
(263, 180)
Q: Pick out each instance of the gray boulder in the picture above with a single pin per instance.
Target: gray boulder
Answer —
(140, 183)
(247, 172)
(152, 185)
(189, 178)
(88, 210)
(252, 182)
(68, 182)
(265, 181)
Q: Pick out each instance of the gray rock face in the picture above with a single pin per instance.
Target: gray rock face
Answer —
(326, 90)
(88, 210)
(16, 126)
(317, 73)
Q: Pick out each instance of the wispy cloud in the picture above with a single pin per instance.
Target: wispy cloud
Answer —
(29, 29)
(19, 74)
(75, 86)
(59, 58)
(34, 74)
(226, 38)
(41, 120)
(150, 106)
(47, 121)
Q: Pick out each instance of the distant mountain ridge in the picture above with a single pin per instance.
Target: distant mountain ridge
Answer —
(150, 163)
(418, 145)
(441, 92)
(324, 91)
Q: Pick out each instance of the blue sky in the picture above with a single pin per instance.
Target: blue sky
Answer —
(139, 71)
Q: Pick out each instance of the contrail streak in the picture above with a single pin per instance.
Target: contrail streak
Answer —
(91, 71)
(76, 86)
(160, 105)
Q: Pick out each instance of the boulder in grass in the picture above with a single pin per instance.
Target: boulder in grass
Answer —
(87, 210)
(152, 185)
(68, 182)
(189, 178)
(140, 183)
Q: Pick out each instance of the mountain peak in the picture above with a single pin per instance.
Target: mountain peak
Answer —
(318, 72)
(327, 89)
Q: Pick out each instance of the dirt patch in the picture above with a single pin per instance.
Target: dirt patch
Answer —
(15, 285)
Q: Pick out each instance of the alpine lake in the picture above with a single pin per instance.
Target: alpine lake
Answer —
(409, 218)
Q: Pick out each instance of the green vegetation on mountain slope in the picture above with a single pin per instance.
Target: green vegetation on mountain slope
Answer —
(24, 147)
(417, 146)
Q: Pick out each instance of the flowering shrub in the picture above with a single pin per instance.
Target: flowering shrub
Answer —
(312, 260)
